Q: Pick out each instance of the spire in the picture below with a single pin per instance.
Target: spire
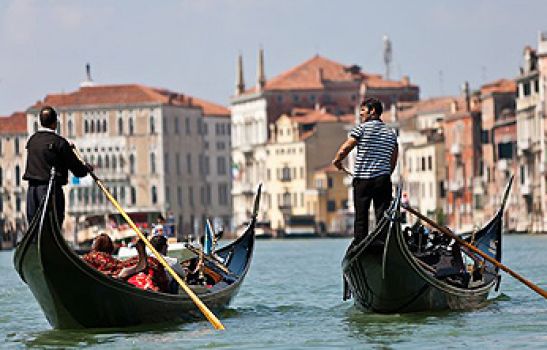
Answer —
(88, 81)
(261, 77)
(240, 84)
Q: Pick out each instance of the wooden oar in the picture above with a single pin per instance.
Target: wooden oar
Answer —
(206, 312)
(471, 247)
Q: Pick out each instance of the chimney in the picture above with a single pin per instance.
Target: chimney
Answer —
(465, 93)
(405, 80)
(261, 76)
(320, 74)
(240, 84)
(88, 81)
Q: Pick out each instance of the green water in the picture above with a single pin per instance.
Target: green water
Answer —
(291, 299)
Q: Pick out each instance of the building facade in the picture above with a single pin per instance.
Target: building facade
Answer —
(13, 136)
(316, 82)
(146, 144)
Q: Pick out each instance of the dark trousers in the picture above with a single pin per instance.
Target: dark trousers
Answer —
(377, 190)
(35, 195)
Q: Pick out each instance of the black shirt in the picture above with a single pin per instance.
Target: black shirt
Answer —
(47, 149)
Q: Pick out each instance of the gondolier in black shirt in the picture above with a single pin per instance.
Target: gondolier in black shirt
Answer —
(377, 153)
(45, 150)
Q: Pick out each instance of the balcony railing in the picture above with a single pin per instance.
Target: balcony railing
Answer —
(455, 185)
(455, 149)
(525, 189)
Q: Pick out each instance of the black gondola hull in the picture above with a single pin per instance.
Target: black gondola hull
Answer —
(74, 295)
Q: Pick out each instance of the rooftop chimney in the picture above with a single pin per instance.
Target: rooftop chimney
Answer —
(240, 84)
(465, 93)
(261, 76)
(88, 81)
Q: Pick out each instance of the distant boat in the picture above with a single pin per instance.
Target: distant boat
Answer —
(396, 271)
(72, 294)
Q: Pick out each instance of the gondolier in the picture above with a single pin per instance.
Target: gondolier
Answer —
(45, 150)
(376, 158)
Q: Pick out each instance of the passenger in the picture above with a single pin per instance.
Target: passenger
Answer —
(148, 272)
(100, 257)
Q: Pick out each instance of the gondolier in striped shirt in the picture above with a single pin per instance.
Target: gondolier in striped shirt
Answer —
(377, 153)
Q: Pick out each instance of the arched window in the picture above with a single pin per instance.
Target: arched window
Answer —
(107, 162)
(132, 164)
(133, 195)
(16, 140)
(131, 126)
(104, 125)
(120, 126)
(122, 194)
(152, 163)
(92, 126)
(152, 126)
(114, 165)
(99, 162)
(86, 126)
(154, 195)
(122, 162)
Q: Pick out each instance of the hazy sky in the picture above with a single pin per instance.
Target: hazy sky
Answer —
(192, 46)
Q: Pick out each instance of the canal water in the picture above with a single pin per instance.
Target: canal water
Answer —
(291, 299)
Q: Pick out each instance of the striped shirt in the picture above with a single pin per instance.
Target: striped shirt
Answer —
(376, 143)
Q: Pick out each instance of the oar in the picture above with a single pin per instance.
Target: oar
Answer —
(471, 247)
(206, 312)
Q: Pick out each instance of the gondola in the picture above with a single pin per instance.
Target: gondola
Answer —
(396, 270)
(74, 295)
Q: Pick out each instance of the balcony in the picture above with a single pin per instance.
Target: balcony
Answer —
(456, 149)
(478, 186)
(455, 186)
(502, 165)
(526, 189)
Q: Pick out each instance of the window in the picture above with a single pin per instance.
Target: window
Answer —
(526, 88)
(187, 122)
(18, 203)
(70, 128)
(179, 196)
(189, 163)
(152, 126)
(177, 125)
(154, 195)
(166, 162)
(114, 163)
(330, 182)
(177, 161)
(132, 164)
(223, 194)
(17, 176)
(152, 163)
(99, 162)
(16, 140)
(191, 196)
(206, 165)
(86, 126)
(133, 195)
(430, 162)
(131, 126)
(221, 166)
(104, 125)
(208, 195)
(107, 162)
(92, 129)
(120, 126)
(122, 194)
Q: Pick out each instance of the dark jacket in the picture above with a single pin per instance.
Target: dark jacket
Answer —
(47, 149)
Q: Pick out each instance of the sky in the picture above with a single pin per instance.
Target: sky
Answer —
(192, 46)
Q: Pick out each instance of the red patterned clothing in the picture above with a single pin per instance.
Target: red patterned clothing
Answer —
(104, 262)
(155, 278)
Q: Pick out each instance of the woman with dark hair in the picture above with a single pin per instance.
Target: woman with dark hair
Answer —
(100, 256)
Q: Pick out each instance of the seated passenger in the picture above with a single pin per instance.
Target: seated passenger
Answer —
(145, 272)
(100, 256)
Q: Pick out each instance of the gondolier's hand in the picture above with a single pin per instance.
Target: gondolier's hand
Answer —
(337, 163)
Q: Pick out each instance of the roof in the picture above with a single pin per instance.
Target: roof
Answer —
(122, 94)
(14, 124)
(499, 86)
(429, 106)
(313, 73)
(210, 108)
(320, 116)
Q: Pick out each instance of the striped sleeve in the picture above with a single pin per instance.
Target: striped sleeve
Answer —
(356, 132)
